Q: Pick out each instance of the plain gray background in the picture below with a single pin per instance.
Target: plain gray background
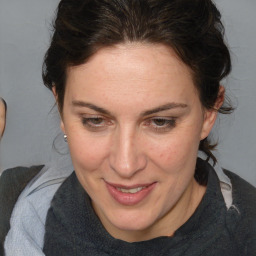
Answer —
(32, 122)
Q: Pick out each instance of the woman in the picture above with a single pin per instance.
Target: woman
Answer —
(137, 84)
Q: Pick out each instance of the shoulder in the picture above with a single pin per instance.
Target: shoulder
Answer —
(29, 214)
(244, 194)
(243, 222)
(18, 177)
(28, 222)
(12, 183)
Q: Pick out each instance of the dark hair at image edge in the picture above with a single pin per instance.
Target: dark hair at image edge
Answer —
(192, 28)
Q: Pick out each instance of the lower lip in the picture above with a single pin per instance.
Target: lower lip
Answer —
(129, 199)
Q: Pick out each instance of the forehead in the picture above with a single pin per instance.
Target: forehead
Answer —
(138, 71)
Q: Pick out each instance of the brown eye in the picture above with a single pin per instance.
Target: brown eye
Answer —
(161, 124)
(160, 121)
(95, 121)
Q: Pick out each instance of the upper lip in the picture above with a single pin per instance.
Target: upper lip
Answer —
(129, 186)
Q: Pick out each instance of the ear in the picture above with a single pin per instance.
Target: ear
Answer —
(54, 93)
(210, 115)
(62, 126)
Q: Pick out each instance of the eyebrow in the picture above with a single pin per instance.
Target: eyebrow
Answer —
(164, 107)
(78, 103)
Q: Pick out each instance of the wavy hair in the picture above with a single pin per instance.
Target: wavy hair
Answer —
(192, 28)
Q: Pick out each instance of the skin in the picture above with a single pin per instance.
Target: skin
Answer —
(136, 140)
(2, 117)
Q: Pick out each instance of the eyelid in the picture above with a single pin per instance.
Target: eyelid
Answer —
(96, 115)
(167, 118)
(168, 126)
(163, 117)
(87, 122)
(91, 119)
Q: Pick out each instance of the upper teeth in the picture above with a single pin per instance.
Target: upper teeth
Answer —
(132, 190)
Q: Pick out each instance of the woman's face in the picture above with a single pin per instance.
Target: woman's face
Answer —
(134, 122)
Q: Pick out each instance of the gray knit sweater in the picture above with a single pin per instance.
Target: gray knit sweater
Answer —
(72, 228)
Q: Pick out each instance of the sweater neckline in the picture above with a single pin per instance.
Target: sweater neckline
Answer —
(72, 206)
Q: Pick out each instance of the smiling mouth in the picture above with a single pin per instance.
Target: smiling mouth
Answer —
(131, 191)
(131, 195)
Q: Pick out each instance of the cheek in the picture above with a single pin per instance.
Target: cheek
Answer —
(86, 152)
(176, 151)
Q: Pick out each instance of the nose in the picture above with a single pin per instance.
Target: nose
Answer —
(127, 155)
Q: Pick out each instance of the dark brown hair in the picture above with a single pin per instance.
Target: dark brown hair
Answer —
(192, 28)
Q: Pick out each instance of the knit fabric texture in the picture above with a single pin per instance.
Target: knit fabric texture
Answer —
(72, 227)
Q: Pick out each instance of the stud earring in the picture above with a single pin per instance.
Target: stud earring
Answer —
(65, 138)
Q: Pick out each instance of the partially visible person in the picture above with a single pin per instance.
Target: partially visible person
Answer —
(3, 108)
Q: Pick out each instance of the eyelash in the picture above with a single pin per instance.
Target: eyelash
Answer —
(91, 123)
(169, 123)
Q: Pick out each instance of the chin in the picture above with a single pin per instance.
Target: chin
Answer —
(135, 220)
